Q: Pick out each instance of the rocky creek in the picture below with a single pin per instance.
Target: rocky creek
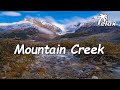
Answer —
(67, 66)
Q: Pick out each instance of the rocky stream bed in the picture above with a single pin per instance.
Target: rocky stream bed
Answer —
(70, 67)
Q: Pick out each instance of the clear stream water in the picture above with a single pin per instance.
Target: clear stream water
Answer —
(116, 72)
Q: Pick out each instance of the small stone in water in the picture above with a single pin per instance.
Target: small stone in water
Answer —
(94, 77)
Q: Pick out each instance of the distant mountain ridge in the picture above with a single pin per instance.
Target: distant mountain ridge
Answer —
(98, 29)
(103, 33)
(30, 23)
(24, 29)
(34, 29)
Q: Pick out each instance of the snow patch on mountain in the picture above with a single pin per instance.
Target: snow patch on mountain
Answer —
(48, 25)
(34, 23)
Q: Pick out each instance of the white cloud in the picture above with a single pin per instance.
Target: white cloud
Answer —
(51, 20)
(45, 31)
(113, 16)
(75, 20)
(10, 13)
(66, 24)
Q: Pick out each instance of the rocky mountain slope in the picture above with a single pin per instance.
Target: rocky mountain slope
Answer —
(103, 33)
(35, 29)
(34, 26)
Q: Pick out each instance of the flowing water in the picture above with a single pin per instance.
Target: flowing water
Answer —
(68, 66)
(116, 72)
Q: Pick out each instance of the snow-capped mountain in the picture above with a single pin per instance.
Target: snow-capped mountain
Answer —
(72, 28)
(78, 25)
(43, 27)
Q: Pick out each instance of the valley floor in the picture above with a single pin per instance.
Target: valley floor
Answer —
(69, 67)
(55, 66)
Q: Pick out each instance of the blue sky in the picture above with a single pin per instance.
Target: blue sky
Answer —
(57, 17)
(13, 16)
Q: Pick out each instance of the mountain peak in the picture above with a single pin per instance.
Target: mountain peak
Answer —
(31, 23)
